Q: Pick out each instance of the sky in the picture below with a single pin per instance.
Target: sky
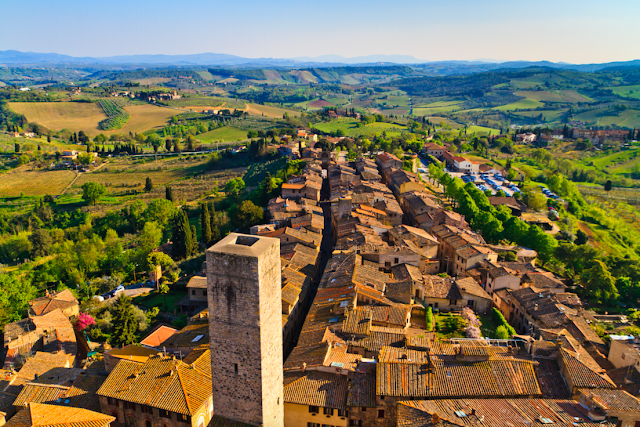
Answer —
(574, 31)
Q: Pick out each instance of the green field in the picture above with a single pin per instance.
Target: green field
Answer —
(436, 108)
(225, 133)
(554, 96)
(600, 117)
(523, 104)
(482, 130)
(345, 124)
(627, 91)
(549, 115)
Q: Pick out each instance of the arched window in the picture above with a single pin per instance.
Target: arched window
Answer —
(147, 423)
(131, 420)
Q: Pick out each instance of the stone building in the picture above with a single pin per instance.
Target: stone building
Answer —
(245, 323)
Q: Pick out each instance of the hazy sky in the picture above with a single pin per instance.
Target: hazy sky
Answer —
(577, 31)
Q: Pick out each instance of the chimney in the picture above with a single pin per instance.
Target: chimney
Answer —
(304, 366)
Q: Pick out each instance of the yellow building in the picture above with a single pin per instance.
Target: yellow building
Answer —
(315, 399)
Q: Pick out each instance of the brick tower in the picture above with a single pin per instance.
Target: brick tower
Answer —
(245, 326)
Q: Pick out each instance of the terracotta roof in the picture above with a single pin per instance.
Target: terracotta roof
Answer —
(616, 400)
(41, 415)
(375, 341)
(62, 300)
(363, 390)
(160, 335)
(307, 356)
(582, 375)
(161, 382)
(316, 388)
(496, 413)
(290, 293)
(440, 287)
(133, 353)
(292, 186)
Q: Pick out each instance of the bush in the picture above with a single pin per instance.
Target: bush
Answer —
(502, 333)
(429, 319)
(500, 320)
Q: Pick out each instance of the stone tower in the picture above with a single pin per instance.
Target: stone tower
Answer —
(245, 326)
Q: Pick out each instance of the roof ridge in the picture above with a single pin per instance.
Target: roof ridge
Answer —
(184, 391)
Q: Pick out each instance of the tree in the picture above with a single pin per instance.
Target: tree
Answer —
(581, 237)
(16, 147)
(159, 258)
(608, 186)
(536, 201)
(124, 322)
(235, 188)
(205, 224)
(598, 282)
(429, 319)
(148, 185)
(163, 289)
(92, 191)
(184, 243)
(40, 242)
(249, 214)
(16, 292)
(150, 238)
(168, 193)
(541, 242)
(84, 321)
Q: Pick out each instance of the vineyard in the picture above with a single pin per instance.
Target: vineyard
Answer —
(117, 117)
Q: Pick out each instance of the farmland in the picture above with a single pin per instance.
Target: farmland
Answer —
(225, 133)
(24, 180)
(117, 117)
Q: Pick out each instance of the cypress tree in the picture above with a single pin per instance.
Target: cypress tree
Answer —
(124, 321)
(168, 194)
(148, 186)
(215, 230)
(179, 236)
(205, 224)
(193, 238)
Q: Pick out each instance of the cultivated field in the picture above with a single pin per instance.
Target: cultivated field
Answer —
(22, 180)
(269, 111)
(84, 116)
(74, 116)
(225, 133)
(523, 104)
(554, 96)
(152, 81)
(628, 91)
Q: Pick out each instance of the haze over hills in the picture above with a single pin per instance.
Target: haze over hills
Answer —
(17, 58)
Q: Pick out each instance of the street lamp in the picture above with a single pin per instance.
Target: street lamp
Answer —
(134, 273)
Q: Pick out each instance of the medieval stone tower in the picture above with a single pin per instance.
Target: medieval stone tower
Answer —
(245, 326)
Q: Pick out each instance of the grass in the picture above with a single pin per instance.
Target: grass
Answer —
(225, 133)
(155, 299)
(443, 333)
(332, 126)
(489, 325)
(77, 116)
(523, 104)
(438, 107)
(549, 115)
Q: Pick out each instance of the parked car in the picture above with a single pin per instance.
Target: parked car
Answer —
(117, 291)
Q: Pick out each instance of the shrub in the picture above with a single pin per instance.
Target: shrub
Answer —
(429, 319)
(502, 333)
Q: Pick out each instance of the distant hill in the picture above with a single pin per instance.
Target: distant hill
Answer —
(17, 58)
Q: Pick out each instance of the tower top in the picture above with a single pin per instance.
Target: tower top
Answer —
(244, 245)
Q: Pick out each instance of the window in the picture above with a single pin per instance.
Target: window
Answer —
(204, 293)
(129, 405)
(395, 260)
(235, 368)
(184, 418)
(313, 424)
(193, 292)
(364, 409)
(327, 425)
(314, 409)
(131, 420)
(354, 422)
(387, 264)
(380, 413)
(165, 414)
(112, 402)
(381, 397)
(147, 423)
(343, 413)
(327, 411)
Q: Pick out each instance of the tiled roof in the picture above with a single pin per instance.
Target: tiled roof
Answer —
(496, 413)
(62, 300)
(162, 382)
(307, 356)
(390, 315)
(375, 341)
(357, 321)
(158, 336)
(315, 388)
(581, 375)
(218, 421)
(199, 282)
(363, 390)
(440, 287)
(451, 378)
(290, 294)
(616, 400)
(42, 415)
(133, 353)
(79, 392)
(470, 286)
